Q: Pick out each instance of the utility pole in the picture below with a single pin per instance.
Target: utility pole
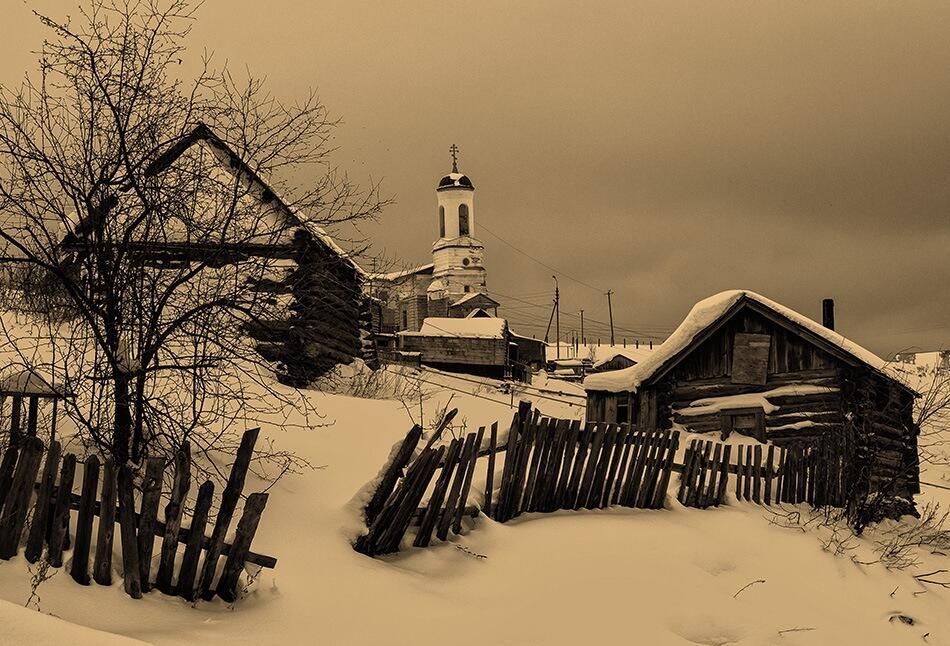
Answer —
(610, 310)
(583, 338)
(557, 310)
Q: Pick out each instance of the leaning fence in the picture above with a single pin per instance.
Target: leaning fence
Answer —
(40, 514)
(551, 464)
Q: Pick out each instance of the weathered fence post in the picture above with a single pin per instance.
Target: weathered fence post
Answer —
(723, 474)
(151, 497)
(90, 482)
(189, 561)
(60, 523)
(41, 510)
(102, 567)
(769, 461)
(229, 500)
(130, 553)
(447, 515)
(7, 465)
(467, 485)
(18, 497)
(490, 477)
(434, 508)
(173, 512)
(391, 474)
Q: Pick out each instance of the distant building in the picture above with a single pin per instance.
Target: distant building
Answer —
(453, 284)
(476, 345)
(934, 360)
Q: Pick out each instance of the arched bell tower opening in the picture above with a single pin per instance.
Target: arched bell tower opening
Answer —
(457, 255)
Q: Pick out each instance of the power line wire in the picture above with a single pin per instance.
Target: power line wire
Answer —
(541, 262)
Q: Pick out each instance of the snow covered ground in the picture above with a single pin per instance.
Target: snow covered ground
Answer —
(673, 576)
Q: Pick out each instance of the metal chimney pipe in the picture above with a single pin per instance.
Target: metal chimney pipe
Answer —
(828, 313)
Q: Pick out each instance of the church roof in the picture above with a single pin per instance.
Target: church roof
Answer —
(455, 180)
(396, 275)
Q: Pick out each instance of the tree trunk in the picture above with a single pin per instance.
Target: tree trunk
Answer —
(123, 418)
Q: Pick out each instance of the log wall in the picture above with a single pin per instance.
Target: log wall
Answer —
(326, 317)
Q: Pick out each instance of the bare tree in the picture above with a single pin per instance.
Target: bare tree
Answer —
(136, 199)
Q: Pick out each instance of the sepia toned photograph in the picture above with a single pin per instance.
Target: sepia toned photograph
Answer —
(502, 323)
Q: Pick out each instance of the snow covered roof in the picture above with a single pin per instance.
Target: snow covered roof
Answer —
(634, 354)
(237, 166)
(455, 180)
(30, 382)
(515, 335)
(569, 363)
(707, 313)
(396, 275)
(472, 295)
(474, 328)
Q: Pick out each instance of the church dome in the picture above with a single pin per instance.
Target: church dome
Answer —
(455, 180)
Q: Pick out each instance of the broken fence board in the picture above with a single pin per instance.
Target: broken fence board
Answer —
(467, 485)
(391, 473)
(244, 536)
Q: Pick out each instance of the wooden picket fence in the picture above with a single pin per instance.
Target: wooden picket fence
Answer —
(805, 472)
(556, 464)
(550, 464)
(553, 464)
(52, 502)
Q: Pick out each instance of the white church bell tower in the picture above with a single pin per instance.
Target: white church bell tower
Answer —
(458, 256)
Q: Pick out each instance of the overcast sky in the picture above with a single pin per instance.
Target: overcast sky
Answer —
(664, 151)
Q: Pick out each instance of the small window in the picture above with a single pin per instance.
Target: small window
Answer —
(405, 320)
(623, 411)
(441, 221)
(466, 262)
(744, 421)
(467, 289)
(463, 219)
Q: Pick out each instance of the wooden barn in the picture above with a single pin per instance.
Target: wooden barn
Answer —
(740, 363)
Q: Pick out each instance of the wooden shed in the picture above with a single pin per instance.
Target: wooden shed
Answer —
(741, 363)
(476, 346)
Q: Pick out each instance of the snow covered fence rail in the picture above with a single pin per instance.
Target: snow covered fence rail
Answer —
(49, 523)
(553, 464)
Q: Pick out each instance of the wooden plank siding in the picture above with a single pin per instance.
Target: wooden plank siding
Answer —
(452, 350)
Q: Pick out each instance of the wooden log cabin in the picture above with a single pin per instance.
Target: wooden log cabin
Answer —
(321, 316)
(740, 363)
